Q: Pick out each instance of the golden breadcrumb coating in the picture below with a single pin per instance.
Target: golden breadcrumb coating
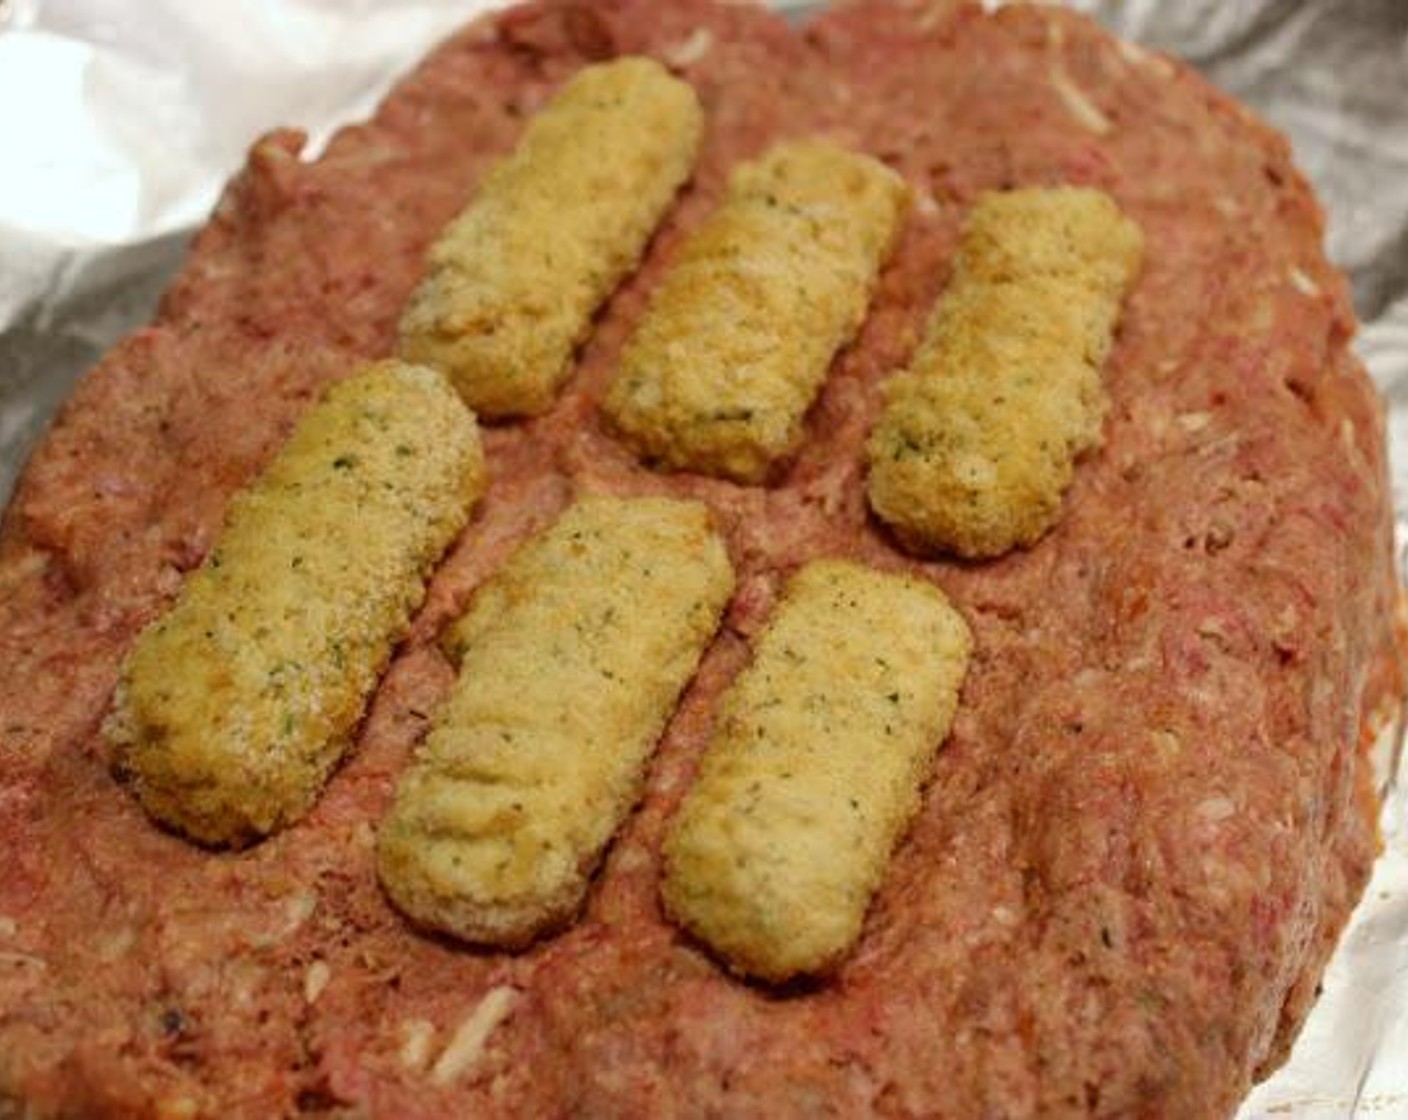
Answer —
(978, 440)
(572, 658)
(233, 706)
(513, 282)
(815, 768)
(739, 337)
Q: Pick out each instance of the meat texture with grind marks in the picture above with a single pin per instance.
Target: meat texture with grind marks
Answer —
(1149, 823)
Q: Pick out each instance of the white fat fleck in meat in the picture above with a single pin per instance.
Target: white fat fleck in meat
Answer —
(1285, 620)
(1193, 421)
(1131, 53)
(1303, 283)
(630, 859)
(300, 908)
(1381, 720)
(1135, 55)
(1214, 629)
(691, 49)
(1167, 744)
(116, 944)
(467, 1044)
(1347, 436)
(1005, 915)
(417, 1035)
(1077, 103)
(1216, 809)
(315, 980)
(8, 927)
(168, 581)
(670, 780)
(931, 16)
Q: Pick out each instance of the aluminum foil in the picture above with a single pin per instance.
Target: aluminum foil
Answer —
(120, 122)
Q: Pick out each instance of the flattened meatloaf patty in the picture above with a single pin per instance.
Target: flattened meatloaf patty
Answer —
(1137, 847)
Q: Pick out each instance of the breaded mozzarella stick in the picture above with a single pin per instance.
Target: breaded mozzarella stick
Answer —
(513, 282)
(978, 440)
(814, 771)
(572, 658)
(233, 707)
(738, 340)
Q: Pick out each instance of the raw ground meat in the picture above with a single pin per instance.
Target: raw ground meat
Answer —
(1138, 846)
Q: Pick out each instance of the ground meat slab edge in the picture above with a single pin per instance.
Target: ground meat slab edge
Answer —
(1140, 842)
